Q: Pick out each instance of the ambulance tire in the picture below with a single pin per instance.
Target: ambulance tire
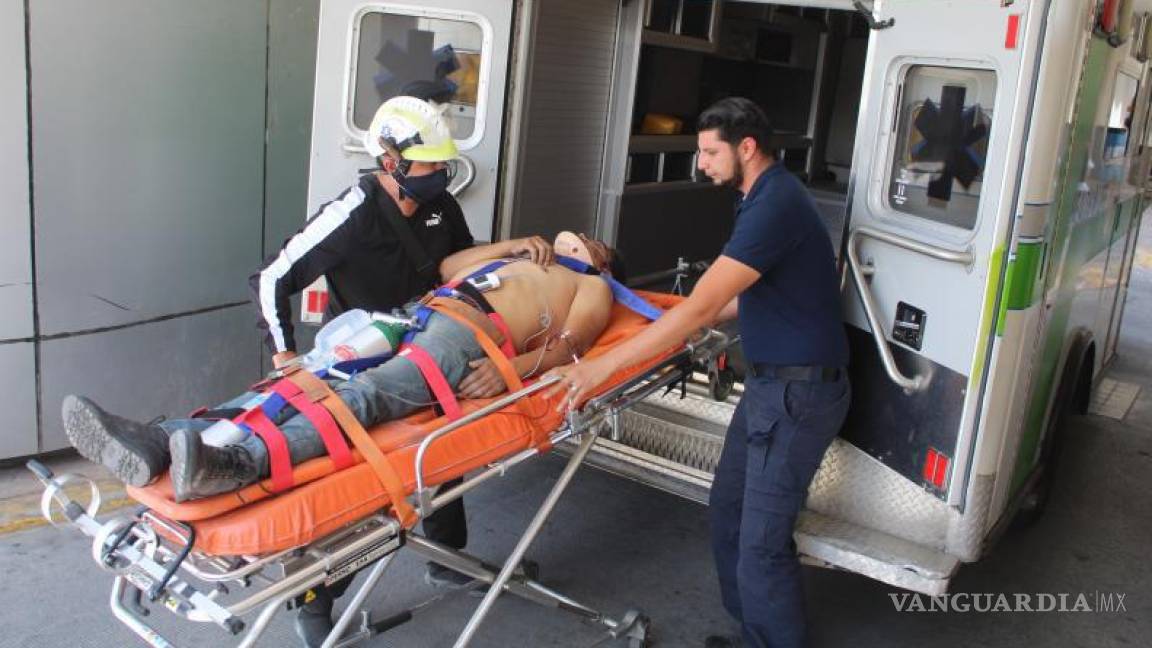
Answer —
(1072, 399)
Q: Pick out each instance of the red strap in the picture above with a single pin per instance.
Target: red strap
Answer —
(435, 379)
(318, 391)
(279, 459)
(506, 347)
(321, 419)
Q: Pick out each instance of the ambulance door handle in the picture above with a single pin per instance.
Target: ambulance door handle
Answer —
(860, 274)
(352, 146)
(458, 188)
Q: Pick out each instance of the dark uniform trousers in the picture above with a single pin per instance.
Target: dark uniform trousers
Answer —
(448, 525)
(774, 445)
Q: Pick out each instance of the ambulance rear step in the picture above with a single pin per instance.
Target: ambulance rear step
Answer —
(674, 444)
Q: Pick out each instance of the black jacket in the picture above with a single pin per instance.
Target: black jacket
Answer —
(352, 242)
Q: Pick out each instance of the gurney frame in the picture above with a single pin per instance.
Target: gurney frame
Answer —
(153, 557)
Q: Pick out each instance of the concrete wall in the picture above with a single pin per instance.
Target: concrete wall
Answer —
(168, 156)
(17, 352)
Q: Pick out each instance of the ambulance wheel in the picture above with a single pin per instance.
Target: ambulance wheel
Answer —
(1035, 502)
(721, 382)
(1072, 399)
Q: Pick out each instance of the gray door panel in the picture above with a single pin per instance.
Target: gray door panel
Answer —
(148, 145)
(569, 83)
(15, 248)
(18, 400)
(169, 367)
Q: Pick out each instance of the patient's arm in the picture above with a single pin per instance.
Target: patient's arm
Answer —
(534, 248)
(587, 319)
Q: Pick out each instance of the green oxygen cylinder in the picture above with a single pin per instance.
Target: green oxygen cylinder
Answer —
(381, 336)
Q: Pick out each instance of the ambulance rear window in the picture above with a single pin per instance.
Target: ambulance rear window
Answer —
(942, 130)
(421, 55)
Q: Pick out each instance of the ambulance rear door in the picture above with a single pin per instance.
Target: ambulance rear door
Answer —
(368, 52)
(939, 140)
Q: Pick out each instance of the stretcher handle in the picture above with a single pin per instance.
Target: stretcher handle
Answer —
(386, 624)
(495, 405)
(44, 473)
(72, 510)
(158, 588)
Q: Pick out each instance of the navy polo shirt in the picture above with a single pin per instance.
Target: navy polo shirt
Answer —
(791, 315)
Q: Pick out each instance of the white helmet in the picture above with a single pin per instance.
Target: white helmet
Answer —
(415, 128)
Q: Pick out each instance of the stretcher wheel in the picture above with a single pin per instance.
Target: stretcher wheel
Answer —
(633, 627)
(639, 636)
(720, 383)
(530, 569)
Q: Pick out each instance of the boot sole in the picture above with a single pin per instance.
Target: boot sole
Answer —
(97, 443)
(178, 450)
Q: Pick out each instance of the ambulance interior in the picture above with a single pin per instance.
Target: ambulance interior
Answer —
(804, 66)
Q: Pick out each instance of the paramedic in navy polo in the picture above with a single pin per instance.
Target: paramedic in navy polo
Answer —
(778, 273)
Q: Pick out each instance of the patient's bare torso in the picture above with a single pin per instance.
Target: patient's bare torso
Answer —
(534, 300)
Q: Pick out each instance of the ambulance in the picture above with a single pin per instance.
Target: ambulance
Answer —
(981, 167)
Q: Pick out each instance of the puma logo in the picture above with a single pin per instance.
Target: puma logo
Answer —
(433, 220)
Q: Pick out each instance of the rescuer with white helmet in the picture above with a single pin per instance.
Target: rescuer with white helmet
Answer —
(412, 142)
(380, 244)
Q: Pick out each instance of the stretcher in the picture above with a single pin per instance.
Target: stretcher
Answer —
(272, 548)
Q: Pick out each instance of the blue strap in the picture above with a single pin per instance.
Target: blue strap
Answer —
(272, 405)
(447, 291)
(621, 293)
(491, 267)
(352, 367)
(422, 315)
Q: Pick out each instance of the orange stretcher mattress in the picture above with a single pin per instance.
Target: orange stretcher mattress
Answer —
(254, 521)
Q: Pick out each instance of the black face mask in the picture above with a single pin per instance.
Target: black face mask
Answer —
(425, 188)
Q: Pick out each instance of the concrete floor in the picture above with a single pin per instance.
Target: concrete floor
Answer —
(616, 544)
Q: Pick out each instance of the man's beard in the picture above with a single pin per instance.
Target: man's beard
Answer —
(737, 179)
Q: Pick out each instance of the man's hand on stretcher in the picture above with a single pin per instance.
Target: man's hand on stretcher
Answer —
(712, 300)
(283, 359)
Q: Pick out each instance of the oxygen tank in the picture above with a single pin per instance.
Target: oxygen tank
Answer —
(353, 335)
(356, 334)
(380, 337)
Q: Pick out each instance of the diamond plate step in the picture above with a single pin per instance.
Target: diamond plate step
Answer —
(667, 442)
(828, 542)
(694, 405)
(854, 507)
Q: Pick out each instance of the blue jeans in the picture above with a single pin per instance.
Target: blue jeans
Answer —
(383, 393)
(774, 445)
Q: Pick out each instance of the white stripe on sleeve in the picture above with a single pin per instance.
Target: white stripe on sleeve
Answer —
(332, 216)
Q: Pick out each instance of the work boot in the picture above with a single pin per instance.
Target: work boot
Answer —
(723, 641)
(136, 453)
(200, 470)
(314, 619)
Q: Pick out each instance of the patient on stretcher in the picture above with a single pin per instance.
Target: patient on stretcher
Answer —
(550, 316)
